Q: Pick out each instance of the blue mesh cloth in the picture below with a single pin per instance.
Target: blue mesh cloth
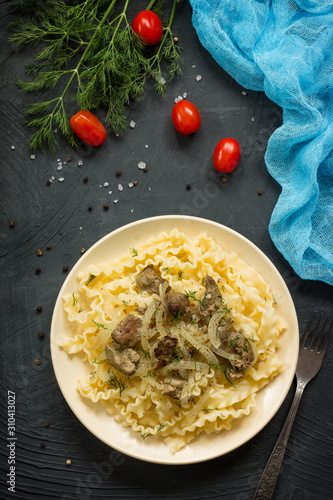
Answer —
(286, 49)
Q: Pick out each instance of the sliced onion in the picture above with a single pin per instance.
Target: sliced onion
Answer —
(225, 354)
(203, 350)
(212, 329)
(184, 365)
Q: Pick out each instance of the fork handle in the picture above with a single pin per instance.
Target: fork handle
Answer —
(271, 472)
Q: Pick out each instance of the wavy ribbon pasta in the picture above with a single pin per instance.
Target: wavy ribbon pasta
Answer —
(108, 293)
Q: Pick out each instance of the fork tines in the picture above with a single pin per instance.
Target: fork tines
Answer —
(313, 339)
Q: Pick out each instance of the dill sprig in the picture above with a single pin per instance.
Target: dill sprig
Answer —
(87, 54)
(117, 383)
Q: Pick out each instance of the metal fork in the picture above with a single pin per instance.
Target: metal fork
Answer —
(311, 355)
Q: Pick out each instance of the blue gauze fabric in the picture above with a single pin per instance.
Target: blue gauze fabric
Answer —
(286, 49)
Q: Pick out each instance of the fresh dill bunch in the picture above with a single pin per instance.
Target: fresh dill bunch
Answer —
(89, 57)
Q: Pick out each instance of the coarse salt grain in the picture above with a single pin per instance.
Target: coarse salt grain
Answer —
(177, 99)
(130, 184)
(33, 157)
(115, 201)
(244, 93)
(52, 178)
(132, 210)
(12, 147)
(120, 187)
(198, 78)
(141, 165)
(110, 192)
(105, 184)
(61, 179)
(184, 95)
(132, 124)
(252, 119)
(59, 167)
(163, 80)
(80, 162)
(146, 146)
(193, 66)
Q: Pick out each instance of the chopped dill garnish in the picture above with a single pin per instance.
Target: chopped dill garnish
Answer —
(165, 269)
(134, 252)
(116, 383)
(223, 369)
(125, 303)
(97, 362)
(74, 300)
(211, 409)
(80, 310)
(160, 428)
(91, 277)
(100, 325)
(146, 353)
(92, 374)
(233, 342)
(180, 274)
(145, 435)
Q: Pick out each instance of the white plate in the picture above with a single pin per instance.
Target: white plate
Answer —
(95, 417)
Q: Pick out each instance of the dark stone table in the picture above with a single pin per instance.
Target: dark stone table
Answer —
(55, 218)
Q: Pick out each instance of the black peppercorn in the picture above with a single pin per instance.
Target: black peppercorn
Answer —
(85, 179)
(118, 173)
(39, 309)
(38, 270)
(89, 208)
(106, 206)
(65, 269)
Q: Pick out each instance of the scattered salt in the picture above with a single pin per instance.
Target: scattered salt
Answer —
(252, 119)
(120, 187)
(115, 201)
(52, 178)
(61, 179)
(105, 184)
(33, 157)
(80, 162)
(12, 147)
(132, 210)
(184, 95)
(198, 78)
(141, 165)
(163, 80)
(132, 124)
(146, 146)
(130, 184)
(244, 93)
(110, 192)
(193, 66)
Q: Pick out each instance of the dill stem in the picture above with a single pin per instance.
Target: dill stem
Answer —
(75, 70)
(167, 31)
(151, 4)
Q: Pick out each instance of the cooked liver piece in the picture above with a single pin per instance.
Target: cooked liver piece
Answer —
(124, 360)
(149, 280)
(166, 350)
(127, 332)
(177, 303)
(211, 301)
(173, 387)
(242, 347)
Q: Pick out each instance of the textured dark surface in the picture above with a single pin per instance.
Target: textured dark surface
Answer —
(47, 432)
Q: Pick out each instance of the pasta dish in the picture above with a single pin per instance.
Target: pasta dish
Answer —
(179, 336)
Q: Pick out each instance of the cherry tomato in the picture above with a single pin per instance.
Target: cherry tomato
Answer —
(226, 155)
(88, 127)
(186, 117)
(148, 26)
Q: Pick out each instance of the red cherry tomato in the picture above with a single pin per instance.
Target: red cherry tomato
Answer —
(226, 155)
(148, 26)
(186, 117)
(88, 127)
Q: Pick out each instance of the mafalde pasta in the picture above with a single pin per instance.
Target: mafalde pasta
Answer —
(180, 336)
